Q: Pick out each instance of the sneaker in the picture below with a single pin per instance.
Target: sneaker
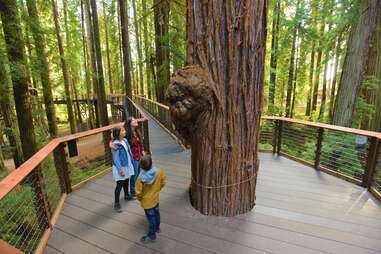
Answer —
(127, 198)
(117, 208)
(147, 239)
(133, 196)
(158, 230)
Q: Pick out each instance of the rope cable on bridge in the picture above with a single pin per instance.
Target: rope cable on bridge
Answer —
(223, 186)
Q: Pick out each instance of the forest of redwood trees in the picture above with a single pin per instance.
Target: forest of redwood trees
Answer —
(322, 61)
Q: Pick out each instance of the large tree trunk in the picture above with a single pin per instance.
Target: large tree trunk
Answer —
(161, 17)
(140, 57)
(11, 127)
(101, 86)
(125, 47)
(318, 70)
(43, 67)
(87, 75)
(15, 45)
(274, 56)
(373, 73)
(354, 63)
(65, 72)
(147, 49)
(216, 101)
(291, 72)
(107, 49)
(324, 94)
(311, 76)
(333, 87)
(90, 32)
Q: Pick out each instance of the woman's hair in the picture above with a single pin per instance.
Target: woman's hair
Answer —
(116, 132)
(145, 162)
(127, 127)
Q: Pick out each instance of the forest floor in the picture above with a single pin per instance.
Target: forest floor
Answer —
(90, 149)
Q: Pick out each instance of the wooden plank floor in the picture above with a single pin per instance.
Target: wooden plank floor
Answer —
(298, 210)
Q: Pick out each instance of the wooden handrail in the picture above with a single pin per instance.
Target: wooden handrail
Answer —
(313, 124)
(154, 102)
(326, 126)
(14, 178)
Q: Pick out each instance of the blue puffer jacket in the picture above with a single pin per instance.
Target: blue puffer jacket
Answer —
(121, 157)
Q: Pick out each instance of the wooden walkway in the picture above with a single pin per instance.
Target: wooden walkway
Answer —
(299, 210)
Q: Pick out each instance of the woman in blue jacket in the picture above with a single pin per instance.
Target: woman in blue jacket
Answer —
(122, 167)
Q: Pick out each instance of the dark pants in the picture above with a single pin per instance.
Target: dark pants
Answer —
(135, 176)
(153, 217)
(118, 188)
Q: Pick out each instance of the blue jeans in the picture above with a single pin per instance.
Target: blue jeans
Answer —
(135, 176)
(153, 217)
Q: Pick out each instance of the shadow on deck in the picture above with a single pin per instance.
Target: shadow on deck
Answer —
(298, 210)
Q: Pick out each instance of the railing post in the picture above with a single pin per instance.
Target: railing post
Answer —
(276, 127)
(318, 147)
(280, 127)
(62, 168)
(371, 160)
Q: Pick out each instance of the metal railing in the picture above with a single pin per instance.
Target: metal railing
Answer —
(351, 154)
(32, 196)
(160, 112)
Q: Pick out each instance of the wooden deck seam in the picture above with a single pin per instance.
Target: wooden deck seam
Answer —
(252, 222)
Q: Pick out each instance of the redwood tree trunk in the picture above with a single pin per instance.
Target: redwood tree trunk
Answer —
(373, 71)
(15, 45)
(318, 69)
(354, 64)
(125, 47)
(64, 69)
(43, 67)
(333, 89)
(140, 57)
(274, 56)
(216, 101)
(161, 17)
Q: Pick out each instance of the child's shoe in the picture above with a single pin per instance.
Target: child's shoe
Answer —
(127, 198)
(133, 196)
(158, 230)
(117, 208)
(147, 239)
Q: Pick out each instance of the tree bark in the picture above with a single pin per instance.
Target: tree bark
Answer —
(125, 47)
(90, 32)
(333, 89)
(318, 69)
(65, 72)
(324, 94)
(11, 126)
(373, 74)
(87, 75)
(354, 63)
(109, 72)
(15, 45)
(140, 57)
(308, 108)
(43, 67)
(274, 56)
(216, 101)
(291, 72)
(147, 49)
(161, 18)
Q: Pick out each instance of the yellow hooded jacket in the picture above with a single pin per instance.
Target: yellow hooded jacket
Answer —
(148, 186)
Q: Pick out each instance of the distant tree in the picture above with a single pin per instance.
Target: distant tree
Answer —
(65, 70)
(354, 64)
(43, 67)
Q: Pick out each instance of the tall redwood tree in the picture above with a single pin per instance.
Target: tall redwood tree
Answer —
(216, 101)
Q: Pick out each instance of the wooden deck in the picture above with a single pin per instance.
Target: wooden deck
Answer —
(298, 210)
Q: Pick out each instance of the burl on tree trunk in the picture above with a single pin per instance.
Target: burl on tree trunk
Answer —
(216, 101)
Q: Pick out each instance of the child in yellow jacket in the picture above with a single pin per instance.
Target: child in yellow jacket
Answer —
(148, 185)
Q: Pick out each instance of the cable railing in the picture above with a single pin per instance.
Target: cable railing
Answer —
(351, 154)
(32, 196)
